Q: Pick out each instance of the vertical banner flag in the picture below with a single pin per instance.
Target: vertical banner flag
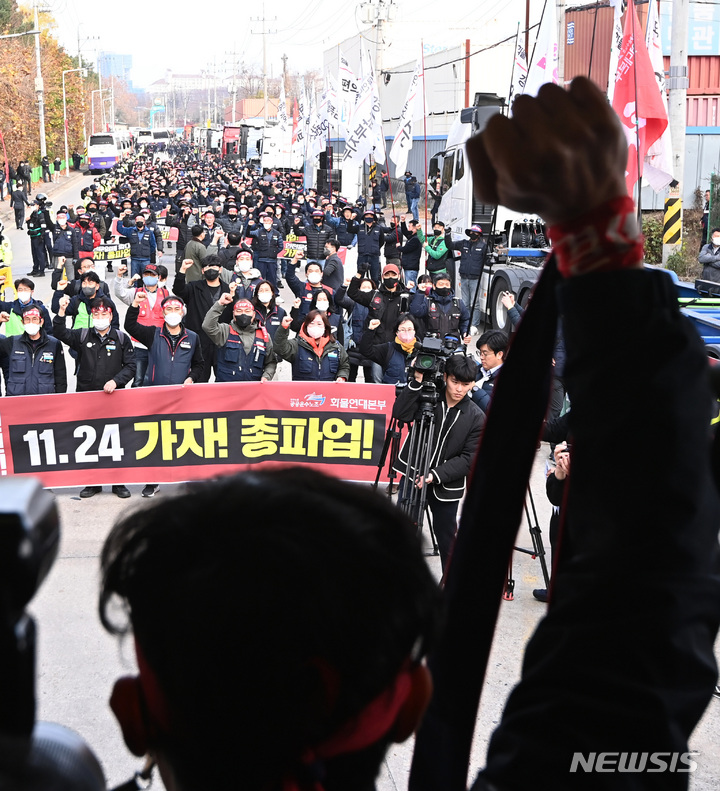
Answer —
(282, 110)
(520, 73)
(349, 90)
(404, 136)
(615, 45)
(364, 135)
(544, 67)
(644, 122)
(300, 135)
(318, 130)
(296, 122)
(333, 106)
(658, 171)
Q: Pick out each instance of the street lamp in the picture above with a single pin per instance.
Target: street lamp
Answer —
(68, 71)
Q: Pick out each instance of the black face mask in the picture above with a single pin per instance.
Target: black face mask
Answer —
(437, 231)
(389, 282)
(211, 274)
(140, 225)
(443, 292)
(474, 236)
(243, 321)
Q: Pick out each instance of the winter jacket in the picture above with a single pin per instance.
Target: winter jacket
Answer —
(332, 364)
(33, 367)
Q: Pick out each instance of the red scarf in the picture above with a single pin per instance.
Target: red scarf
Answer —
(316, 345)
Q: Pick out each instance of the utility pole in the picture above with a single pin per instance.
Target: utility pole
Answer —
(82, 78)
(561, 38)
(284, 60)
(39, 89)
(232, 88)
(264, 32)
(376, 13)
(677, 119)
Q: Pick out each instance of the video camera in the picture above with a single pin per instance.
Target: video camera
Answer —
(431, 356)
(34, 756)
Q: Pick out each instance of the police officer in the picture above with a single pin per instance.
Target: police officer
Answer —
(33, 361)
(39, 225)
(106, 359)
(245, 349)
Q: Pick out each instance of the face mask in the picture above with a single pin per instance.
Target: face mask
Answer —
(31, 329)
(264, 297)
(211, 274)
(173, 319)
(315, 332)
(143, 205)
(243, 212)
(24, 296)
(88, 291)
(243, 266)
(437, 231)
(267, 226)
(474, 236)
(406, 335)
(150, 281)
(84, 223)
(232, 215)
(293, 211)
(442, 292)
(101, 324)
(389, 282)
(365, 290)
(140, 225)
(314, 277)
(323, 306)
(243, 321)
(716, 241)
(318, 221)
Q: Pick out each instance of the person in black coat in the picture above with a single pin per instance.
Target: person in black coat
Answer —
(18, 202)
(459, 423)
(333, 274)
(200, 296)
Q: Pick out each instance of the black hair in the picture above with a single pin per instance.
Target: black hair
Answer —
(403, 317)
(461, 367)
(326, 293)
(442, 276)
(311, 315)
(259, 667)
(197, 230)
(714, 230)
(441, 224)
(211, 260)
(25, 281)
(334, 244)
(101, 302)
(162, 271)
(261, 305)
(496, 340)
(93, 277)
(234, 238)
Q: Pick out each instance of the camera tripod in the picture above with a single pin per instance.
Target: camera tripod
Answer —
(412, 499)
(537, 551)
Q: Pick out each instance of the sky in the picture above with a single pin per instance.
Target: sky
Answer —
(183, 38)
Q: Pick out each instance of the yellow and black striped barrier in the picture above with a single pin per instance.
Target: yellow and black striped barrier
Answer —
(373, 171)
(672, 228)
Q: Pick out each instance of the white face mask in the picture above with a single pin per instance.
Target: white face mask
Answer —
(101, 324)
(31, 329)
(315, 331)
(716, 241)
(264, 297)
(173, 319)
(24, 296)
(322, 305)
(314, 277)
(243, 266)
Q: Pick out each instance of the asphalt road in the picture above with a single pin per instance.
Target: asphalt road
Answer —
(78, 662)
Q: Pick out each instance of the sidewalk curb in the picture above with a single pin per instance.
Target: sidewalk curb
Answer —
(8, 215)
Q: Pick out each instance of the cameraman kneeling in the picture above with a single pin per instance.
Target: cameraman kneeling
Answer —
(458, 426)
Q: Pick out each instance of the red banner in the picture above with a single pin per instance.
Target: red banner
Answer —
(174, 434)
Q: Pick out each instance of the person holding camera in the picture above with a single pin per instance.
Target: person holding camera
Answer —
(457, 430)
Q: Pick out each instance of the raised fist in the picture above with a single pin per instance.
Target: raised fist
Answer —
(226, 298)
(286, 322)
(373, 324)
(122, 270)
(186, 264)
(64, 302)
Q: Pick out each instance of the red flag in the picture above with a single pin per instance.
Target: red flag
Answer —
(635, 81)
(296, 117)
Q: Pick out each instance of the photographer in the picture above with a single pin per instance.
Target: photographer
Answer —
(458, 427)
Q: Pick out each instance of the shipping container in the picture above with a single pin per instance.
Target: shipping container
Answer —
(588, 31)
(703, 110)
(703, 74)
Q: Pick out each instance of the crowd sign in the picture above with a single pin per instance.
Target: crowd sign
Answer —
(199, 431)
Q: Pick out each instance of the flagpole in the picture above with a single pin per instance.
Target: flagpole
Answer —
(512, 71)
(387, 170)
(631, 8)
(422, 56)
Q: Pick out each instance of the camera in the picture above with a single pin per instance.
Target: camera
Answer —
(432, 355)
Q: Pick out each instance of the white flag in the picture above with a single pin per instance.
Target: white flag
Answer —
(544, 67)
(365, 135)
(403, 140)
(615, 45)
(658, 170)
(318, 129)
(282, 110)
(301, 132)
(520, 73)
(333, 106)
(348, 94)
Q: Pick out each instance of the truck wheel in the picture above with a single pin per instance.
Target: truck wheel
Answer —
(524, 297)
(498, 312)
